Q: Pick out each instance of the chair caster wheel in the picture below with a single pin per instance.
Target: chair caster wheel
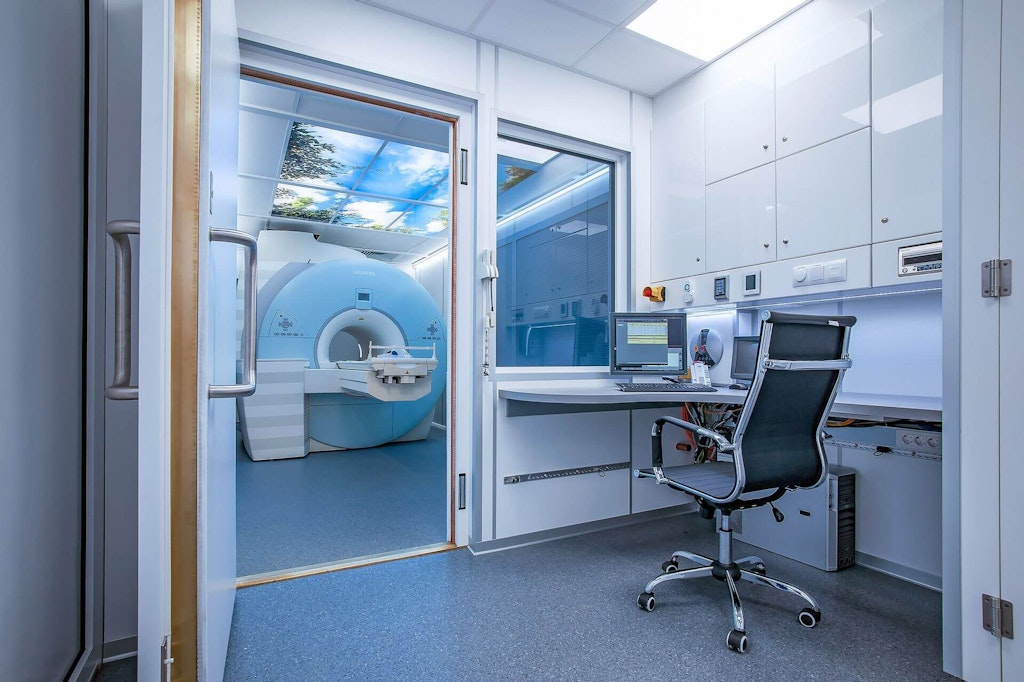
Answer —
(737, 641)
(645, 601)
(670, 566)
(809, 617)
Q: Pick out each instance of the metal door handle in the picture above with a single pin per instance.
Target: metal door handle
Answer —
(122, 388)
(247, 242)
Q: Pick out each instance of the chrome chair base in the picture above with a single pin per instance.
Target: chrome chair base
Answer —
(750, 569)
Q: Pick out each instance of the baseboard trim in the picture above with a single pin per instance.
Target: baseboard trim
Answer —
(120, 648)
(489, 546)
(912, 575)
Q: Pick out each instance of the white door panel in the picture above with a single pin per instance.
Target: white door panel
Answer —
(906, 88)
(218, 155)
(823, 89)
(741, 219)
(1011, 331)
(740, 126)
(824, 197)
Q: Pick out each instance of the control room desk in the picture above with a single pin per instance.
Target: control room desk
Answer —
(563, 452)
(555, 400)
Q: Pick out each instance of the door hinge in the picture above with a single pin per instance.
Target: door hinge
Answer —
(997, 616)
(996, 278)
(165, 659)
(463, 166)
(462, 491)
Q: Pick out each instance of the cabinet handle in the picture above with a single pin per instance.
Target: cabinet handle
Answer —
(885, 220)
(785, 241)
(765, 147)
(766, 245)
(785, 139)
(698, 259)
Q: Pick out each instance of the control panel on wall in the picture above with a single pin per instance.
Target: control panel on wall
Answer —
(752, 283)
(722, 288)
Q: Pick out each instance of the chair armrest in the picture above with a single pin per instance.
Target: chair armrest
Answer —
(656, 457)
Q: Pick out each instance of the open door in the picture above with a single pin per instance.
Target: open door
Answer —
(187, 338)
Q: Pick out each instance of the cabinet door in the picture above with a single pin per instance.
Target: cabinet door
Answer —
(740, 127)
(822, 90)
(824, 196)
(677, 195)
(906, 82)
(741, 219)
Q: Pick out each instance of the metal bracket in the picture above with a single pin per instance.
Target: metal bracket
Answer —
(165, 659)
(997, 616)
(996, 278)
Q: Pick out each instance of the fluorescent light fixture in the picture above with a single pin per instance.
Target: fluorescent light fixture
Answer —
(707, 28)
(561, 192)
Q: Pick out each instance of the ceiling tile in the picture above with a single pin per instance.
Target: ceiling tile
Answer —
(612, 11)
(540, 29)
(638, 63)
(455, 14)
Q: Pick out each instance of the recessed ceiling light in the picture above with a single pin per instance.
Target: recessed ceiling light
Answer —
(708, 28)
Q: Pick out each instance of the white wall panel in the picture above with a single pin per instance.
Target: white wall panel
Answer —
(363, 37)
(552, 442)
(554, 99)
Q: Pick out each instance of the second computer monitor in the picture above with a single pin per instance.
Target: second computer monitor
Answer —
(648, 343)
(744, 357)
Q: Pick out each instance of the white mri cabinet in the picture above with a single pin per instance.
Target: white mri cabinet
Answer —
(741, 219)
(677, 186)
(824, 197)
(823, 89)
(906, 81)
(740, 126)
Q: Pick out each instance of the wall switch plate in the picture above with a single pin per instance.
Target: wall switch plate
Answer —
(819, 273)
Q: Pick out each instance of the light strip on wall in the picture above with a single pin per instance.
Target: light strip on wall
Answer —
(533, 206)
(708, 28)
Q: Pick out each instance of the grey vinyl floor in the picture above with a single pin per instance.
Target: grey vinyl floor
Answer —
(566, 610)
(333, 506)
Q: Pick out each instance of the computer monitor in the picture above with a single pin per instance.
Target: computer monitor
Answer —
(744, 357)
(647, 343)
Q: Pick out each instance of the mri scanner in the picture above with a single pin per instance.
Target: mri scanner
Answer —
(351, 351)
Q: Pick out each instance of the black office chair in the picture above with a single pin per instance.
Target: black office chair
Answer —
(777, 446)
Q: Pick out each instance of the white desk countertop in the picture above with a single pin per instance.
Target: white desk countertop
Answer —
(860, 405)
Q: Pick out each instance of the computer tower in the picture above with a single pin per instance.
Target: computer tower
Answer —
(819, 527)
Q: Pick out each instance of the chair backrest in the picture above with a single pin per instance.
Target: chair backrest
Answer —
(800, 363)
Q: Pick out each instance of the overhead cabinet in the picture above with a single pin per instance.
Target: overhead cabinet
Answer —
(824, 197)
(677, 218)
(906, 81)
(741, 219)
(740, 127)
(822, 90)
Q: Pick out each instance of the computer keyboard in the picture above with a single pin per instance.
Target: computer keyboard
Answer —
(666, 387)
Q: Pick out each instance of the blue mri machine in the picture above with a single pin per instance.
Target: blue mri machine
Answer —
(351, 353)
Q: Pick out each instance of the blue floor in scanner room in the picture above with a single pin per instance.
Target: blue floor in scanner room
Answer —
(334, 506)
(566, 610)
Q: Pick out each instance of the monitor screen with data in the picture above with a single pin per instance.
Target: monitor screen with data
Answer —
(648, 343)
(744, 357)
